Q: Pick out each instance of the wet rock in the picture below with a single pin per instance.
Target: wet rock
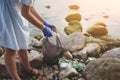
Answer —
(73, 16)
(103, 69)
(101, 23)
(74, 7)
(35, 59)
(73, 22)
(97, 30)
(3, 70)
(68, 55)
(91, 39)
(110, 45)
(90, 59)
(67, 72)
(91, 49)
(1, 51)
(38, 36)
(66, 79)
(48, 6)
(108, 38)
(81, 79)
(113, 53)
(73, 28)
(35, 44)
(73, 42)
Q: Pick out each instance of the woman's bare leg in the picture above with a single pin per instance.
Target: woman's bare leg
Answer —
(23, 56)
(10, 61)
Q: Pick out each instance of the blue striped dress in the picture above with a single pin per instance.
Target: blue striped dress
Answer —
(14, 30)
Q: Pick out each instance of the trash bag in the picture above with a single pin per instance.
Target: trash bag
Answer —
(52, 52)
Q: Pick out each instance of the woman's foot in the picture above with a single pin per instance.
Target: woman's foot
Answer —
(34, 72)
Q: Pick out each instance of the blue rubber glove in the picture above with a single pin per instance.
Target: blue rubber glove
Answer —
(48, 25)
(47, 32)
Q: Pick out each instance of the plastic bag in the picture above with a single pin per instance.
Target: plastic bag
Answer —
(52, 52)
(74, 64)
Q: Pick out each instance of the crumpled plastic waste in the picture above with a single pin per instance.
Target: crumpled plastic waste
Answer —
(64, 63)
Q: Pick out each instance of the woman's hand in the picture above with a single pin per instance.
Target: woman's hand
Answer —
(47, 32)
(52, 27)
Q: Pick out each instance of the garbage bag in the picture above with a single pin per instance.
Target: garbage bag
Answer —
(51, 52)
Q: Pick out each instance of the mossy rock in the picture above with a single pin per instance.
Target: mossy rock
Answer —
(73, 28)
(94, 40)
(97, 30)
(73, 22)
(73, 16)
(101, 23)
(38, 36)
(108, 38)
(74, 7)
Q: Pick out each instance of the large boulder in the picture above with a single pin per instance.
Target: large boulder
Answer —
(101, 23)
(113, 53)
(73, 42)
(73, 28)
(103, 69)
(90, 50)
(97, 30)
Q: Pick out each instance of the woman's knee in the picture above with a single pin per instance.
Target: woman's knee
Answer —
(10, 51)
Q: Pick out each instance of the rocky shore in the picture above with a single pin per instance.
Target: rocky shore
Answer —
(94, 55)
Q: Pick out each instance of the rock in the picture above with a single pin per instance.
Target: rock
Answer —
(81, 79)
(35, 59)
(90, 59)
(108, 38)
(103, 69)
(73, 16)
(94, 40)
(35, 45)
(68, 55)
(74, 7)
(73, 22)
(110, 45)
(101, 23)
(66, 79)
(50, 76)
(38, 36)
(113, 53)
(67, 72)
(73, 28)
(3, 70)
(1, 51)
(97, 30)
(91, 49)
(48, 6)
(73, 42)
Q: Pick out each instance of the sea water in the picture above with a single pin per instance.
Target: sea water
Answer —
(92, 10)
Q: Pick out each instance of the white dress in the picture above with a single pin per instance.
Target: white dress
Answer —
(14, 31)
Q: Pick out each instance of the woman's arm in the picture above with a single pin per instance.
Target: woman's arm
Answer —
(35, 13)
(26, 12)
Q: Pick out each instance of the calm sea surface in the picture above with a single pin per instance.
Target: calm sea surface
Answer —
(92, 10)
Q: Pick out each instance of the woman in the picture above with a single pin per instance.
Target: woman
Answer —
(14, 32)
